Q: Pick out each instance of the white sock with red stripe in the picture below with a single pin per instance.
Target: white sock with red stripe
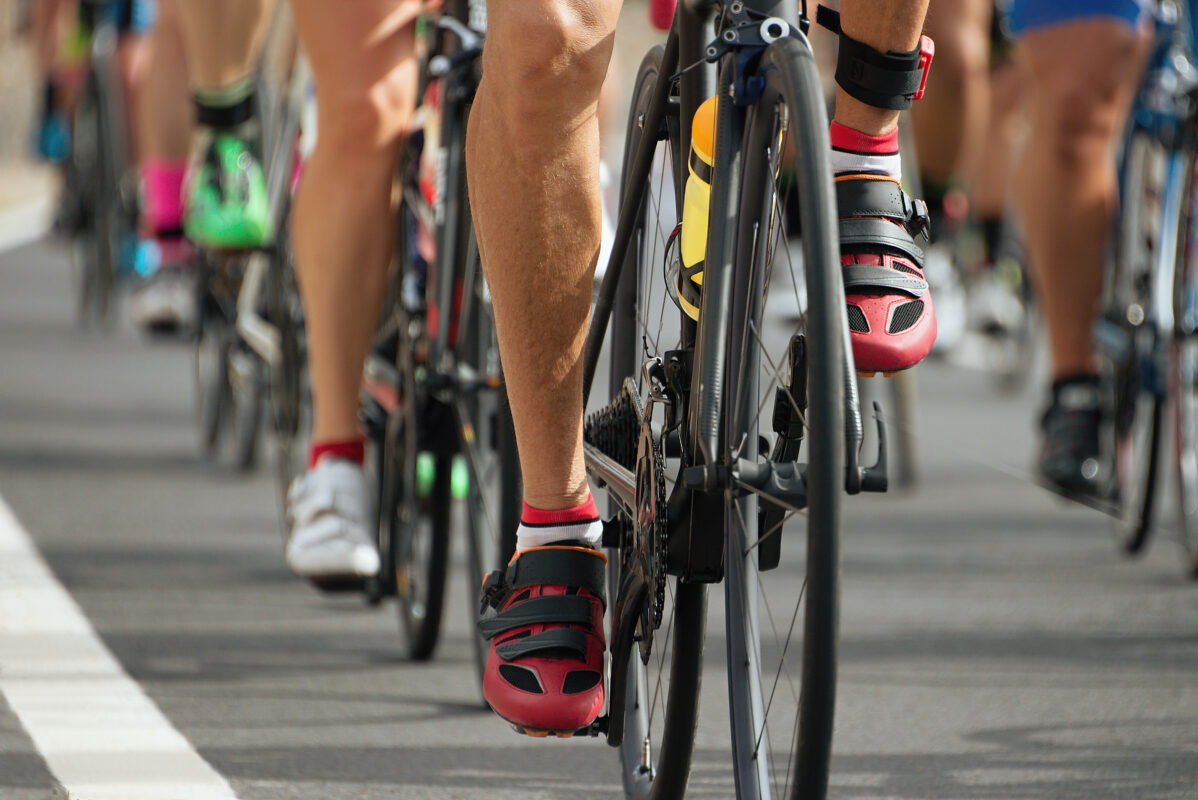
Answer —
(854, 152)
(539, 527)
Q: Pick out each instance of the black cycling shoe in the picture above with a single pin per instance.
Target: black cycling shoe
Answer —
(1069, 457)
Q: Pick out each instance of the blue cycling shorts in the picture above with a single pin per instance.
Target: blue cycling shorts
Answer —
(131, 16)
(1027, 15)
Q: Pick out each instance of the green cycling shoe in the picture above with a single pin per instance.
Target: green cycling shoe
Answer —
(225, 206)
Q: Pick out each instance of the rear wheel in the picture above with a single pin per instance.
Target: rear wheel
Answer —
(1183, 375)
(661, 704)
(488, 449)
(782, 624)
(1134, 395)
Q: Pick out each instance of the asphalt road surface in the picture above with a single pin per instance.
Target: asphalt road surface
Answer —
(994, 644)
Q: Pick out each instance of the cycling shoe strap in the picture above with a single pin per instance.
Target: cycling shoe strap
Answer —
(875, 276)
(579, 567)
(554, 609)
(570, 640)
(870, 234)
(871, 197)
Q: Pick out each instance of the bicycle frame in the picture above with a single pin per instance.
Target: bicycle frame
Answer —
(686, 54)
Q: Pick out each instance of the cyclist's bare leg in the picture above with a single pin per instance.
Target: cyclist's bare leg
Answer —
(950, 121)
(992, 174)
(222, 38)
(1080, 80)
(164, 109)
(362, 58)
(46, 25)
(533, 167)
(883, 25)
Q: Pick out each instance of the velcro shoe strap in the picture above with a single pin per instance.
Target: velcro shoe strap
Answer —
(560, 609)
(874, 276)
(866, 197)
(878, 237)
(557, 565)
(563, 641)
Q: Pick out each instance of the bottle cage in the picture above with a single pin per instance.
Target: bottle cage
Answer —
(891, 80)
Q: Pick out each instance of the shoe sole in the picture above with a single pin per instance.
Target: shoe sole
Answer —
(339, 584)
(861, 373)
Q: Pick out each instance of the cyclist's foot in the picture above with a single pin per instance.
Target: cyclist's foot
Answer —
(53, 138)
(1069, 456)
(225, 197)
(164, 300)
(544, 618)
(891, 319)
(328, 511)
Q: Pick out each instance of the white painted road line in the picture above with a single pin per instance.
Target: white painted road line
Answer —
(101, 736)
(26, 223)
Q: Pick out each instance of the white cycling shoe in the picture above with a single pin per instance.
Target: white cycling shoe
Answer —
(328, 511)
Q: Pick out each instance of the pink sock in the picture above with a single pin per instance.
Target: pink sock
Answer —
(162, 189)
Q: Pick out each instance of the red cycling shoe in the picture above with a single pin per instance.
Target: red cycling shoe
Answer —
(544, 618)
(892, 324)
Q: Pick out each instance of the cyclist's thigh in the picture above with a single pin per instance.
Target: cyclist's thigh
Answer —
(1030, 15)
(363, 61)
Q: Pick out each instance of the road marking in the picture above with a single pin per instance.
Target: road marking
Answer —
(25, 223)
(101, 736)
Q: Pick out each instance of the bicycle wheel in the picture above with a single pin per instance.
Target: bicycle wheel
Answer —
(487, 443)
(661, 703)
(1132, 422)
(415, 507)
(213, 395)
(287, 383)
(96, 253)
(1183, 375)
(782, 663)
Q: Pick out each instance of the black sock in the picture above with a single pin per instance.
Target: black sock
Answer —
(49, 98)
(992, 233)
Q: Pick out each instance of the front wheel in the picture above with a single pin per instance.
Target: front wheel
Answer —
(782, 623)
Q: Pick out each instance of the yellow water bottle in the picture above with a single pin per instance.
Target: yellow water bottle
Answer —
(695, 200)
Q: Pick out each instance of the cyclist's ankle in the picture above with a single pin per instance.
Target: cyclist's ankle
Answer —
(352, 450)
(578, 523)
(230, 109)
(854, 152)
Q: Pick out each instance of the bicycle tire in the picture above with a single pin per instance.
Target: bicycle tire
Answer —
(790, 107)
(659, 726)
(414, 524)
(94, 267)
(288, 396)
(494, 495)
(211, 382)
(1183, 374)
(1134, 410)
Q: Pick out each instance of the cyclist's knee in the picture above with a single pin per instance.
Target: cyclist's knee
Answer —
(548, 56)
(364, 121)
(1080, 87)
